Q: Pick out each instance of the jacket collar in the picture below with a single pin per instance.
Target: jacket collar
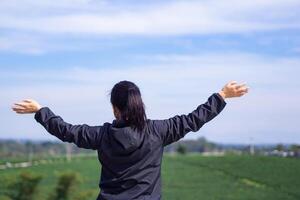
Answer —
(120, 123)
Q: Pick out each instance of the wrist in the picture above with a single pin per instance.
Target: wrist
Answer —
(38, 107)
(222, 94)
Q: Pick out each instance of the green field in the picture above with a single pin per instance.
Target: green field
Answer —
(191, 177)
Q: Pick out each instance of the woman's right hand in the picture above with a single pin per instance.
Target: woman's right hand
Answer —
(233, 89)
(26, 106)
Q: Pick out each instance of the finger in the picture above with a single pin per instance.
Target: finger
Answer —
(21, 112)
(18, 107)
(28, 100)
(240, 85)
(242, 94)
(21, 104)
(232, 82)
(243, 89)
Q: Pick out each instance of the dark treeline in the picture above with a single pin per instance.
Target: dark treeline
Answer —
(28, 149)
(42, 149)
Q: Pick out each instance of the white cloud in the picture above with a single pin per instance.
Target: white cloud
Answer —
(37, 27)
(21, 44)
(181, 17)
(175, 84)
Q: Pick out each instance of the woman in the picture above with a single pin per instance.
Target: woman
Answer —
(130, 148)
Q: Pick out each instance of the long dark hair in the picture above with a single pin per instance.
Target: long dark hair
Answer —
(126, 96)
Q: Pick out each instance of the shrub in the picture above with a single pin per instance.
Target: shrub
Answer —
(181, 149)
(3, 197)
(24, 187)
(65, 185)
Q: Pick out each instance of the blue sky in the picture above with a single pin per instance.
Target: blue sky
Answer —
(68, 55)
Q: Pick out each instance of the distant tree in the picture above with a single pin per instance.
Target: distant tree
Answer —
(209, 146)
(296, 149)
(181, 149)
(279, 147)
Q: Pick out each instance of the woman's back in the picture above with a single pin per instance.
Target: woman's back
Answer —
(130, 162)
(131, 159)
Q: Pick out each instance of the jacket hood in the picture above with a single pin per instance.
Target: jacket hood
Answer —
(124, 139)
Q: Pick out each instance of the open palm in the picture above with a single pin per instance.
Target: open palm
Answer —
(26, 106)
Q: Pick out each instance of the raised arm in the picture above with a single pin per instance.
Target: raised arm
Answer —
(84, 136)
(175, 128)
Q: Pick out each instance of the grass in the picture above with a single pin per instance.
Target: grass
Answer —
(231, 177)
(191, 177)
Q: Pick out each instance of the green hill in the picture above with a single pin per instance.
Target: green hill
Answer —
(189, 177)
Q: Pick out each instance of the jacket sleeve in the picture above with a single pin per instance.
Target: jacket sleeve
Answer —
(175, 128)
(84, 136)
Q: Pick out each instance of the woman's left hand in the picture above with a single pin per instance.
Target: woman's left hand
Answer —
(26, 106)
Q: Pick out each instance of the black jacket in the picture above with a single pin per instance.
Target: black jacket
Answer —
(131, 160)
